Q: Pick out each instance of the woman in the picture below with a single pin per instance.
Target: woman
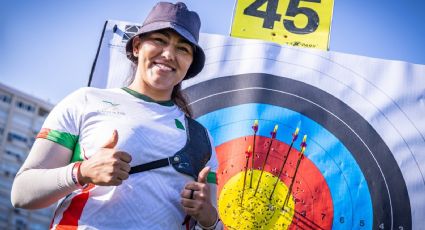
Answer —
(129, 158)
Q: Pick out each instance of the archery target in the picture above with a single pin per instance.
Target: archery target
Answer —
(342, 146)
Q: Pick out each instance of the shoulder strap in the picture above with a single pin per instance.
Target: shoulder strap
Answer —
(197, 151)
(191, 159)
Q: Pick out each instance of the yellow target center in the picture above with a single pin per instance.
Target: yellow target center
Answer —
(255, 207)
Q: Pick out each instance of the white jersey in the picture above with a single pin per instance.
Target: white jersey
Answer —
(148, 131)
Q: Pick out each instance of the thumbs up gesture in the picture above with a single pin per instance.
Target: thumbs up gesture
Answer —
(106, 167)
(196, 200)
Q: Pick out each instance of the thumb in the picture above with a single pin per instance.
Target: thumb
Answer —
(202, 177)
(112, 142)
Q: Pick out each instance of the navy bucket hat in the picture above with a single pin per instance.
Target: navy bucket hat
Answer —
(165, 15)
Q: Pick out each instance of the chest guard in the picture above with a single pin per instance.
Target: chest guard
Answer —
(189, 160)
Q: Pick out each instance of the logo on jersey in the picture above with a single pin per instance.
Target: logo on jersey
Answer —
(110, 108)
(179, 124)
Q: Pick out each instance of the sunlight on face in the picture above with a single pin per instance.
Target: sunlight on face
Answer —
(164, 58)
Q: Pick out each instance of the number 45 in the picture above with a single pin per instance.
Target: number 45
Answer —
(270, 16)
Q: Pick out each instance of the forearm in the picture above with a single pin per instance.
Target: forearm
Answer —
(44, 178)
(39, 188)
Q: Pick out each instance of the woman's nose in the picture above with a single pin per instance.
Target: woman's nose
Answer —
(169, 52)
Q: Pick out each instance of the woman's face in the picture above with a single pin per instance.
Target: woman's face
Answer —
(164, 58)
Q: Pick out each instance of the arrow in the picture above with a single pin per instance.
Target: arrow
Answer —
(303, 146)
(294, 138)
(273, 136)
(255, 128)
(248, 154)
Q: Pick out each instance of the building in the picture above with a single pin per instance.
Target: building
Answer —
(21, 117)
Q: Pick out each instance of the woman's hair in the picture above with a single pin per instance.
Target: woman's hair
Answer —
(177, 96)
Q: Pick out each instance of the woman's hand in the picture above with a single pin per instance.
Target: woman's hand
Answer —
(196, 200)
(106, 167)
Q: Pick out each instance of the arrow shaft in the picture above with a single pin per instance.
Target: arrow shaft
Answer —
(264, 164)
(292, 182)
(244, 180)
(281, 169)
(252, 161)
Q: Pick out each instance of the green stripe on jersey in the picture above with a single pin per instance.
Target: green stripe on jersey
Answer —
(67, 140)
(212, 178)
(76, 155)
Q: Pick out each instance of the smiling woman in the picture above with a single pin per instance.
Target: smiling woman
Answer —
(119, 146)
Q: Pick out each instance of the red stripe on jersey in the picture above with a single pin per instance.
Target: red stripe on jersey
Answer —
(43, 133)
(73, 213)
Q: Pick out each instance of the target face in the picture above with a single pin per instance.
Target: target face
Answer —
(348, 178)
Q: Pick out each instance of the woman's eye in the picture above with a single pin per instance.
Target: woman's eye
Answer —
(159, 41)
(185, 49)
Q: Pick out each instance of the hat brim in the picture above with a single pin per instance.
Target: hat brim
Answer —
(198, 56)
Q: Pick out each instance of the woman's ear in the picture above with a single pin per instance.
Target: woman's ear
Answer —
(136, 45)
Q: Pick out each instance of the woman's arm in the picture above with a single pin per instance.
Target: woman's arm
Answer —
(45, 177)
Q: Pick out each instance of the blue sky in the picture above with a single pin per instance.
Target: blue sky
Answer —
(47, 47)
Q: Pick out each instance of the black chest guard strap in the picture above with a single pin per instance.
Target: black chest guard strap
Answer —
(191, 159)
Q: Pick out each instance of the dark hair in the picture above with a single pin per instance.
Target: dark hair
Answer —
(180, 99)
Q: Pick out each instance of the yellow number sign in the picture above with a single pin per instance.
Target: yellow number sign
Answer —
(303, 23)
